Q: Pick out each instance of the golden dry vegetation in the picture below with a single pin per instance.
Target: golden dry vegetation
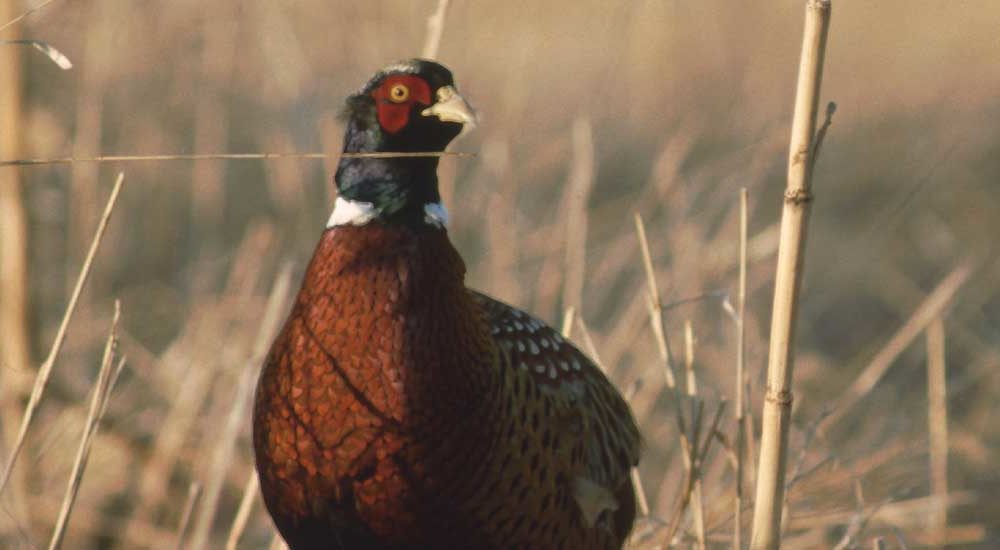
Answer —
(591, 111)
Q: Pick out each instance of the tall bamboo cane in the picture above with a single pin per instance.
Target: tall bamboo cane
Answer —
(794, 221)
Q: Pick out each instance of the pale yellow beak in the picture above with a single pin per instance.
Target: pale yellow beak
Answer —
(451, 107)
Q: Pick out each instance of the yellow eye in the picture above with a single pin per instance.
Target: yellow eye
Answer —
(399, 93)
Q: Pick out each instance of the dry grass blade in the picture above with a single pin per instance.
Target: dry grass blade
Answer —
(937, 419)
(929, 310)
(741, 296)
(102, 389)
(859, 521)
(42, 378)
(435, 29)
(689, 433)
(48, 50)
(277, 543)
(691, 382)
(567, 322)
(193, 491)
(243, 512)
(230, 156)
(640, 493)
(581, 181)
(695, 449)
(226, 444)
(15, 20)
(588, 343)
(655, 305)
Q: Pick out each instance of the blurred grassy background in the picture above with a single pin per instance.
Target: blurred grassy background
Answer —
(675, 105)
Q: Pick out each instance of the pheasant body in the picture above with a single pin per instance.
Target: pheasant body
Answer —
(399, 409)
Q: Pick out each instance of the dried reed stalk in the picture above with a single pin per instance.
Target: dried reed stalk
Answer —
(5, 14)
(501, 221)
(567, 322)
(697, 502)
(203, 331)
(655, 306)
(15, 351)
(694, 447)
(929, 310)
(219, 37)
(937, 419)
(106, 379)
(794, 221)
(277, 543)
(581, 180)
(243, 512)
(689, 442)
(228, 156)
(194, 490)
(740, 449)
(42, 378)
(435, 28)
(640, 492)
(226, 443)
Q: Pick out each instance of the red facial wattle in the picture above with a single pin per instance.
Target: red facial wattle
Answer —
(392, 107)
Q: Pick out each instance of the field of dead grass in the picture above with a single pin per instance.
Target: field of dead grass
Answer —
(591, 112)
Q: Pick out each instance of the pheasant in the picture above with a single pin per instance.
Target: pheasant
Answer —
(397, 408)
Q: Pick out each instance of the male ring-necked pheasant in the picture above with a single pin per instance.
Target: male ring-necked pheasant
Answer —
(399, 409)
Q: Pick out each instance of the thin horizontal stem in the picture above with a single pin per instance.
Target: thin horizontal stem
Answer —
(229, 156)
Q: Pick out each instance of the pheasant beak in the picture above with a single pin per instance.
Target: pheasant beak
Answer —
(451, 107)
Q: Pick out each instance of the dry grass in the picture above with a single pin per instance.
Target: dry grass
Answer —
(685, 104)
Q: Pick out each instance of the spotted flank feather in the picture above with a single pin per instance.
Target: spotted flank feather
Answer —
(590, 405)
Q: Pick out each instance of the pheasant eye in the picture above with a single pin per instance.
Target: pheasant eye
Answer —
(399, 93)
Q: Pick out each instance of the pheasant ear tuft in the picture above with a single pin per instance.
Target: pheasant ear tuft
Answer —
(357, 107)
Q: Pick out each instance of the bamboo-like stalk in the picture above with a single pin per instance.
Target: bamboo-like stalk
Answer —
(42, 378)
(937, 419)
(106, 378)
(15, 352)
(738, 415)
(794, 221)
